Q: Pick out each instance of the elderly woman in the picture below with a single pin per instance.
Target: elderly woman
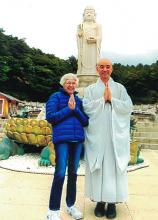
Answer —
(64, 111)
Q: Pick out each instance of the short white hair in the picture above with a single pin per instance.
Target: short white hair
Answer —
(67, 77)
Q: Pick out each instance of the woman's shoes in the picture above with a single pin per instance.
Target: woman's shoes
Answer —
(53, 215)
(111, 211)
(74, 212)
(99, 210)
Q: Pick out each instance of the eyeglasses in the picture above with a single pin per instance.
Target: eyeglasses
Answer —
(71, 83)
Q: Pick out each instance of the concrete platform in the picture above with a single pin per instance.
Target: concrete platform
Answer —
(24, 196)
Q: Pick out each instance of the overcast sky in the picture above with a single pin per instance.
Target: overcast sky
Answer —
(130, 27)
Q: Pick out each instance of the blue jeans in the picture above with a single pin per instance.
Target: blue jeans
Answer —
(66, 154)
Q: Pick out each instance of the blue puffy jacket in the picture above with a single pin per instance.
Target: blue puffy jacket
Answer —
(67, 124)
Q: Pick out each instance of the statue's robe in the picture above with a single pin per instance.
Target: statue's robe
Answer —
(88, 52)
(107, 144)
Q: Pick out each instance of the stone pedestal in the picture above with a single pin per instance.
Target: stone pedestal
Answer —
(84, 81)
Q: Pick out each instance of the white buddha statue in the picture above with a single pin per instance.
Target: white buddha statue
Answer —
(89, 36)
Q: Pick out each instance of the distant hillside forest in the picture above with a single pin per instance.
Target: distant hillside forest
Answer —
(29, 74)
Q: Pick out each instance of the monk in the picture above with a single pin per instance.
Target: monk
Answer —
(107, 144)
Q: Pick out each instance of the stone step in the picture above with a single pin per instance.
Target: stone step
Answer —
(147, 125)
(146, 134)
(146, 129)
(144, 140)
(149, 146)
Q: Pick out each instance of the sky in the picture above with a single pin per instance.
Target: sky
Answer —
(129, 27)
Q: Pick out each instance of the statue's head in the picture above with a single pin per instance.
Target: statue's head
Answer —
(89, 14)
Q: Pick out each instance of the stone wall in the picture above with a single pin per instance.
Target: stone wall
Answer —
(146, 125)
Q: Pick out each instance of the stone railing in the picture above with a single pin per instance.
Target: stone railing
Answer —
(2, 124)
(149, 112)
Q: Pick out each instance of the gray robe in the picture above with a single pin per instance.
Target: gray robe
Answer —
(107, 144)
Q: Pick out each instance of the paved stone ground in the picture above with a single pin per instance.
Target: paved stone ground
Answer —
(24, 196)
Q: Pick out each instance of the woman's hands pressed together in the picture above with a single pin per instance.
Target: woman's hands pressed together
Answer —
(71, 102)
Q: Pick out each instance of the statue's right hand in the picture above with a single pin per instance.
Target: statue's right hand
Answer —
(91, 40)
(80, 33)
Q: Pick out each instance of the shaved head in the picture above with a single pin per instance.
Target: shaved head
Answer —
(104, 61)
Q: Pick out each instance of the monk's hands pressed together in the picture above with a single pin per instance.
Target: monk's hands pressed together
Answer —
(107, 93)
(71, 102)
